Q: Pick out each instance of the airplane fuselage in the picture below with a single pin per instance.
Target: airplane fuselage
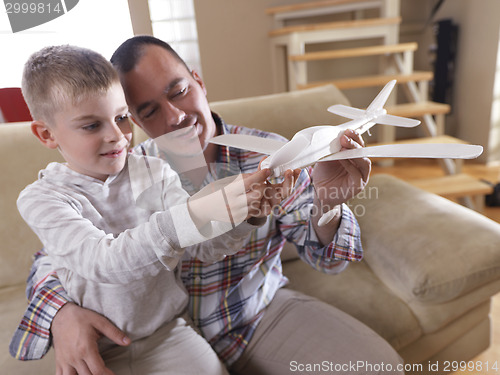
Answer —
(311, 144)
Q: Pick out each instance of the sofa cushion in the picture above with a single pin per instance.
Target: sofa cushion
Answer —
(434, 250)
(359, 293)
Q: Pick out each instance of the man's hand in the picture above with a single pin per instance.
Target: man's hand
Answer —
(75, 332)
(337, 181)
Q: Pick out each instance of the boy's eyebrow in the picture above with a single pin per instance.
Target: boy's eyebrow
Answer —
(84, 117)
(169, 87)
(123, 109)
(93, 117)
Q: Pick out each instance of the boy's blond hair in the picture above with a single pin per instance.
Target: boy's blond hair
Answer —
(59, 75)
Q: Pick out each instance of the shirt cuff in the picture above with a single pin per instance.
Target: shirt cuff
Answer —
(32, 339)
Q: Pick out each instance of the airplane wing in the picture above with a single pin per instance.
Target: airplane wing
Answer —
(248, 142)
(431, 151)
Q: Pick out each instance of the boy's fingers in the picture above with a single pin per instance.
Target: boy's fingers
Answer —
(258, 177)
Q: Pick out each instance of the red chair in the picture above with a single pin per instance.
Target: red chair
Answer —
(13, 108)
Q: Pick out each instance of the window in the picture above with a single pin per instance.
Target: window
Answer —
(96, 24)
(174, 22)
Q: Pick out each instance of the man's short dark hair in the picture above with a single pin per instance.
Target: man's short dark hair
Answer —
(128, 54)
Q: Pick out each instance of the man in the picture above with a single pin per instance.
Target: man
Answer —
(238, 304)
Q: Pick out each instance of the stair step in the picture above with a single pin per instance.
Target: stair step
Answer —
(370, 81)
(335, 25)
(314, 5)
(355, 52)
(454, 186)
(418, 109)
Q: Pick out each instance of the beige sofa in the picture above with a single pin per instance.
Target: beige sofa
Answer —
(425, 284)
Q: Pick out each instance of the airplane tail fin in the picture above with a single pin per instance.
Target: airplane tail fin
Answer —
(374, 107)
(382, 96)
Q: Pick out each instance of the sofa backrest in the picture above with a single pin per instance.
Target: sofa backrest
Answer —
(22, 156)
(283, 113)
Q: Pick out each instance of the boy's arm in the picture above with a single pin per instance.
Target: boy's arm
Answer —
(132, 254)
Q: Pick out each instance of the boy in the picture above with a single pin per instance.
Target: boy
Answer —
(113, 256)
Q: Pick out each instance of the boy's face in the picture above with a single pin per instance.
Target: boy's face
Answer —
(164, 97)
(94, 135)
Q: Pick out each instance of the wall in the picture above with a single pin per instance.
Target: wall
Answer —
(236, 58)
(476, 70)
(234, 47)
(235, 51)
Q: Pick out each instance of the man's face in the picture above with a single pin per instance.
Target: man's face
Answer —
(164, 97)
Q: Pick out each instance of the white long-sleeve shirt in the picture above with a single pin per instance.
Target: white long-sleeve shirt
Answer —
(113, 255)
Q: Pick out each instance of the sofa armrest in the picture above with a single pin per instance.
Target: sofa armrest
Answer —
(422, 246)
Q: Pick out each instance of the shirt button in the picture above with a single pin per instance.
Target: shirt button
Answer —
(197, 279)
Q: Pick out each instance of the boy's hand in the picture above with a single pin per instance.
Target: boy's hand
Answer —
(231, 199)
(75, 332)
(274, 194)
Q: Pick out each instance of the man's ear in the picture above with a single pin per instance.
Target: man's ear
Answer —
(44, 134)
(198, 79)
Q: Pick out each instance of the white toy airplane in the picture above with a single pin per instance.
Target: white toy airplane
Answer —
(322, 143)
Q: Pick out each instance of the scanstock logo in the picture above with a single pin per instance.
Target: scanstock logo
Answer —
(25, 14)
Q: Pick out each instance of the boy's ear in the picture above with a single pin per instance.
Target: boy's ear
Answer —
(44, 134)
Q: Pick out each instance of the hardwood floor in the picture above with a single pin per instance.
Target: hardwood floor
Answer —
(415, 169)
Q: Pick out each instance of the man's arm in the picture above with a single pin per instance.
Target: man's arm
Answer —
(51, 318)
(327, 247)
(48, 299)
(335, 182)
(74, 324)
(32, 339)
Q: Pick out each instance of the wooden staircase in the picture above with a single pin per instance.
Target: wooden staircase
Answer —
(296, 29)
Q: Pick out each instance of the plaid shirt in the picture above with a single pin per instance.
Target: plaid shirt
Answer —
(226, 299)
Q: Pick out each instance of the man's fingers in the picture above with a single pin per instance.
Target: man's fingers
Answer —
(65, 371)
(96, 365)
(112, 332)
(355, 136)
(82, 369)
(364, 165)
